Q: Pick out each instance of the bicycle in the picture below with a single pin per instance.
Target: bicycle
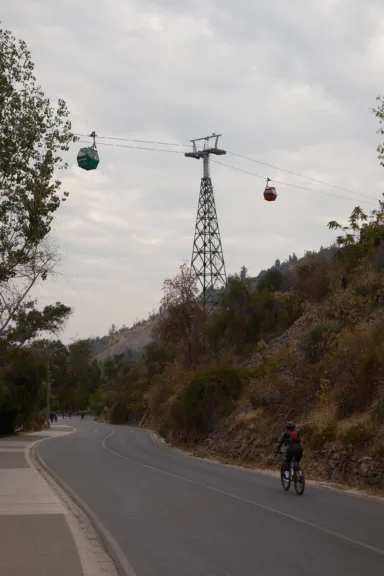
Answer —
(296, 473)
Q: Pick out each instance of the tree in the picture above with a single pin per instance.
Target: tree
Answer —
(379, 113)
(33, 135)
(361, 237)
(182, 326)
(243, 273)
(271, 281)
(83, 376)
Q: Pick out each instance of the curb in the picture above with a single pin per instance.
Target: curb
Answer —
(113, 549)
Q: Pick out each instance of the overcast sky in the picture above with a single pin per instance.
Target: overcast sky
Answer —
(287, 83)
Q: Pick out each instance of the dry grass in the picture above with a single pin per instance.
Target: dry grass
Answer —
(246, 418)
(321, 417)
(357, 430)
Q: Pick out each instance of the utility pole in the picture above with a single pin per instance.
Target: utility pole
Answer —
(48, 392)
(207, 264)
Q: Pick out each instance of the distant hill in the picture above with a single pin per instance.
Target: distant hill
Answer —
(133, 340)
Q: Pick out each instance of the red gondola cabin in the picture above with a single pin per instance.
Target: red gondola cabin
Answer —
(270, 193)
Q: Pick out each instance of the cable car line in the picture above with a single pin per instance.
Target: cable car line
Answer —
(291, 185)
(87, 160)
(300, 175)
(133, 140)
(238, 156)
(134, 147)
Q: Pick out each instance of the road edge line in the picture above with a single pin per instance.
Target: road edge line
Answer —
(124, 568)
(334, 487)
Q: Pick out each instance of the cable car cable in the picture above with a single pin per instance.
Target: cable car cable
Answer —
(291, 185)
(299, 175)
(133, 140)
(240, 156)
(223, 164)
(135, 147)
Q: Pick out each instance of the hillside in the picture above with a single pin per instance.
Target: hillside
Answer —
(133, 340)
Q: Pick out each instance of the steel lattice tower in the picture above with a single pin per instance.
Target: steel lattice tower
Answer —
(207, 264)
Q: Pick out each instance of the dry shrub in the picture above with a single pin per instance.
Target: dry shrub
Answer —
(357, 430)
(322, 416)
(345, 306)
(246, 418)
(369, 282)
(360, 363)
(319, 427)
(283, 396)
(312, 278)
(164, 388)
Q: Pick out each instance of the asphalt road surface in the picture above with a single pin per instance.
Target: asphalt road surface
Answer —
(173, 515)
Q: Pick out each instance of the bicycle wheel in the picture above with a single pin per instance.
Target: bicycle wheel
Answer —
(285, 482)
(299, 481)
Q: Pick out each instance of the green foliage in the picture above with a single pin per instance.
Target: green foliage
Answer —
(245, 316)
(312, 280)
(210, 395)
(33, 136)
(21, 387)
(271, 281)
(29, 322)
(156, 356)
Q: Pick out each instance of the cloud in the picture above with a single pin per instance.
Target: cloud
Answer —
(289, 84)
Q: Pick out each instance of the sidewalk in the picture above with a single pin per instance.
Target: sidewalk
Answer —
(39, 533)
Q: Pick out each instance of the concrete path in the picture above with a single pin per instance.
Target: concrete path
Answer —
(40, 534)
(174, 515)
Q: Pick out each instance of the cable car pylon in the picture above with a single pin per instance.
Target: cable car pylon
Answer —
(207, 264)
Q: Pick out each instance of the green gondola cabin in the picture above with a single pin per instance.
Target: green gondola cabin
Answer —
(88, 158)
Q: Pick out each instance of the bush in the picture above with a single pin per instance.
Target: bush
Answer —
(356, 433)
(314, 342)
(317, 436)
(164, 388)
(207, 397)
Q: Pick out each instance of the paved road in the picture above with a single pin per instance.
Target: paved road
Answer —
(173, 515)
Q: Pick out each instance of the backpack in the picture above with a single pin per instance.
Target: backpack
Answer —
(294, 435)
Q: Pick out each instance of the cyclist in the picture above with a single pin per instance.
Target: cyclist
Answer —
(291, 439)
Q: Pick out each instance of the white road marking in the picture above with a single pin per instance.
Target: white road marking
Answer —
(246, 501)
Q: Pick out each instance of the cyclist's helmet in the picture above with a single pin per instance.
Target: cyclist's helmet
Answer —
(290, 425)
